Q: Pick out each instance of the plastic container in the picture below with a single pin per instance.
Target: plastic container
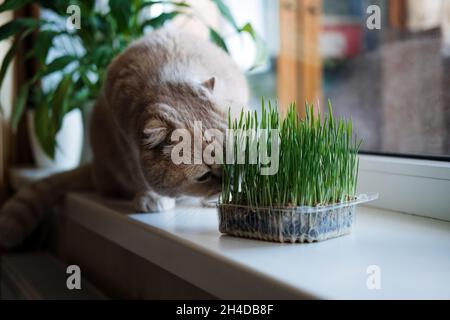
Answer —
(298, 224)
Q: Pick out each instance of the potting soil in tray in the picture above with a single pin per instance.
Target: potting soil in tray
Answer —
(299, 224)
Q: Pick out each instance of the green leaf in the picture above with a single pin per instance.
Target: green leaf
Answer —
(44, 41)
(20, 105)
(48, 116)
(102, 55)
(87, 6)
(59, 103)
(44, 128)
(58, 6)
(160, 20)
(80, 97)
(217, 39)
(58, 64)
(249, 29)
(226, 12)
(13, 4)
(121, 11)
(16, 26)
(181, 4)
(7, 60)
(261, 55)
(10, 55)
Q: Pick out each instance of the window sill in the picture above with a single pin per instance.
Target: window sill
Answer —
(411, 252)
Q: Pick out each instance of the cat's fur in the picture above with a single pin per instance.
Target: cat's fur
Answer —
(164, 81)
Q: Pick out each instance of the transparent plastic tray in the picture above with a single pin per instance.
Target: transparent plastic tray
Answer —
(297, 224)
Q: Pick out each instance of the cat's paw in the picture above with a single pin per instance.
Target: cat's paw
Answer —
(152, 202)
(210, 202)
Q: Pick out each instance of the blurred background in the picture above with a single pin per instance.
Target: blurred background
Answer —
(394, 82)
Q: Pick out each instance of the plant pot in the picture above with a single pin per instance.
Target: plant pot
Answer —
(69, 143)
(300, 224)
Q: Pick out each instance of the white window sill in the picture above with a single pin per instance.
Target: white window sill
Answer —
(413, 253)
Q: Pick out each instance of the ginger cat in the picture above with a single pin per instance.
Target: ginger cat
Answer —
(162, 82)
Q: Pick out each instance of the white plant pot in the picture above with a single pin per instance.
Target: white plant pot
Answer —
(69, 143)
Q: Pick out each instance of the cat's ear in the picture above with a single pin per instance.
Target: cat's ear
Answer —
(154, 133)
(210, 84)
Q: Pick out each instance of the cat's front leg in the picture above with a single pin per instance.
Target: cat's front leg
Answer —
(149, 201)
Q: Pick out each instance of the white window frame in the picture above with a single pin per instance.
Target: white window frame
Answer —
(419, 187)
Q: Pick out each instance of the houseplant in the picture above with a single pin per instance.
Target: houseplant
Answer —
(84, 53)
(311, 197)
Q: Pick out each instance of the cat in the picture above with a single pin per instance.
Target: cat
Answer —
(165, 81)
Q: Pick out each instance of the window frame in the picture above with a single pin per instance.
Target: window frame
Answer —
(415, 186)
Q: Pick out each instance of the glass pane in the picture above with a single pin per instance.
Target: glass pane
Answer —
(264, 17)
(393, 81)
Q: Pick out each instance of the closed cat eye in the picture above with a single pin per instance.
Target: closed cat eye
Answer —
(204, 177)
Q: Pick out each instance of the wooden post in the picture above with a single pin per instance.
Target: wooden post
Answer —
(299, 65)
(397, 13)
(15, 148)
(6, 101)
(21, 154)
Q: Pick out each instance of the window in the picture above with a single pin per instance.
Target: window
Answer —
(392, 79)
(395, 81)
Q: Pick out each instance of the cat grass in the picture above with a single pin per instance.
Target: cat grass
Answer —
(318, 160)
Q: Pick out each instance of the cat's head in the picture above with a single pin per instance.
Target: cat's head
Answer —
(181, 106)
